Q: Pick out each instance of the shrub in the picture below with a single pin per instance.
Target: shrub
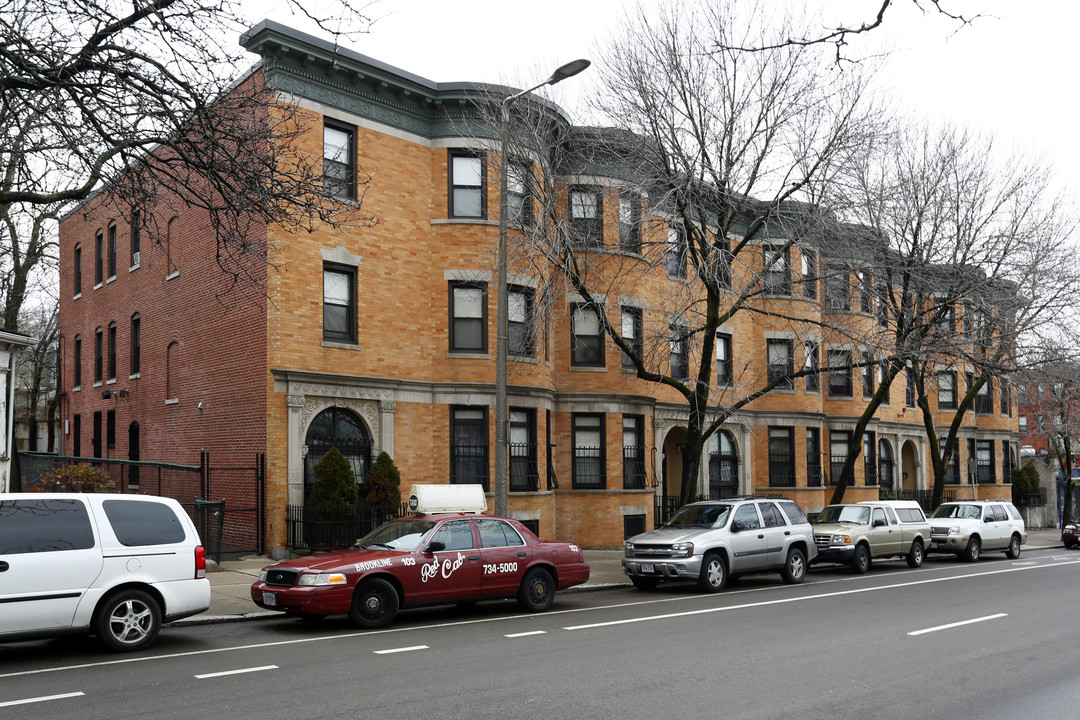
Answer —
(335, 484)
(384, 485)
(1024, 480)
(82, 477)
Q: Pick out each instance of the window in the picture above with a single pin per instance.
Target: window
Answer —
(837, 290)
(586, 218)
(631, 332)
(679, 360)
(454, 535)
(112, 351)
(76, 435)
(170, 252)
(947, 390)
(771, 515)
(468, 317)
(1006, 391)
(812, 364)
(339, 304)
(839, 443)
(76, 359)
(839, 373)
(909, 388)
(140, 523)
(96, 439)
(866, 292)
(1023, 424)
(523, 473)
(112, 250)
(110, 429)
(813, 457)
(885, 464)
(586, 337)
(99, 261)
(777, 273)
(723, 465)
(136, 343)
(869, 443)
(520, 312)
(952, 464)
(984, 398)
(133, 454)
(99, 341)
(809, 273)
(339, 160)
(630, 223)
(781, 457)
(588, 431)
(882, 307)
(969, 383)
(746, 518)
(882, 373)
(984, 452)
(675, 260)
(343, 430)
(868, 369)
(172, 371)
(779, 362)
(47, 525)
(468, 194)
(136, 236)
(633, 451)
(724, 363)
(469, 446)
(519, 209)
(78, 269)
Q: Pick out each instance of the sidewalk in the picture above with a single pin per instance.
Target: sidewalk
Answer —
(231, 599)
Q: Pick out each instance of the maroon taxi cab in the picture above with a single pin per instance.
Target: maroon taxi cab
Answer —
(429, 558)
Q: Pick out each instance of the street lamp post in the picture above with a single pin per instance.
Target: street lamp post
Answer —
(502, 419)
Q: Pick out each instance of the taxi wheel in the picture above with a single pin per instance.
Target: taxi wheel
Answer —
(374, 605)
(128, 620)
(537, 590)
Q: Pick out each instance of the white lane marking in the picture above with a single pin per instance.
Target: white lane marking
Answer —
(43, 698)
(436, 626)
(391, 651)
(526, 634)
(236, 672)
(801, 598)
(958, 624)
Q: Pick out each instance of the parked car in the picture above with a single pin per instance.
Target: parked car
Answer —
(855, 534)
(708, 541)
(1070, 534)
(113, 565)
(969, 527)
(454, 555)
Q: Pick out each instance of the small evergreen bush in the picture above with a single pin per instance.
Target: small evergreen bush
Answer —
(384, 486)
(335, 484)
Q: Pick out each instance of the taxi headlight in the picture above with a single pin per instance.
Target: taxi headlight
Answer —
(683, 549)
(321, 579)
(262, 575)
(841, 539)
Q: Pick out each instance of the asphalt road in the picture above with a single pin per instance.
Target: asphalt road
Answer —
(992, 640)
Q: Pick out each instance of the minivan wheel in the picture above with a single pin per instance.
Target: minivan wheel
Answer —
(860, 561)
(127, 621)
(915, 555)
(713, 575)
(795, 568)
(973, 549)
(375, 604)
(1014, 548)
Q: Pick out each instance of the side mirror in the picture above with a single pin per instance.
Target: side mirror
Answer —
(738, 526)
(880, 522)
(988, 519)
(435, 546)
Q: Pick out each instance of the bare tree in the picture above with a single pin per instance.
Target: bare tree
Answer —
(143, 100)
(1051, 392)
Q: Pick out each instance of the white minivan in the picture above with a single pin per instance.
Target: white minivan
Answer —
(113, 565)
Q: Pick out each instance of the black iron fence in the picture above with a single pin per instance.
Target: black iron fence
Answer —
(925, 498)
(333, 528)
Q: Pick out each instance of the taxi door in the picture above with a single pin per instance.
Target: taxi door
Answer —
(455, 571)
(504, 556)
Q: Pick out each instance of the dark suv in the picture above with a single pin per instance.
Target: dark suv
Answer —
(708, 541)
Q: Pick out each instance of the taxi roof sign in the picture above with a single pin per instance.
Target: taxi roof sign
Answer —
(426, 499)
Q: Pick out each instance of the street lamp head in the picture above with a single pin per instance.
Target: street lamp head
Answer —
(570, 69)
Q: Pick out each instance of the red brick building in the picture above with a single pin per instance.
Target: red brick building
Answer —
(382, 338)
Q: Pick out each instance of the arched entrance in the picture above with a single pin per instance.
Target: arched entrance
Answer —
(909, 463)
(673, 461)
(342, 429)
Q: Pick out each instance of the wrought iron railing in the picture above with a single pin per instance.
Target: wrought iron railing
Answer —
(635, 476)
(589, 468)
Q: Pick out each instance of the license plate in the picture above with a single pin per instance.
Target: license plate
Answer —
(270, 599)
(934, 543)
(647, 568)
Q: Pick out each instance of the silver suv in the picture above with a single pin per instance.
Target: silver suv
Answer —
(708, 541)
(968, 527)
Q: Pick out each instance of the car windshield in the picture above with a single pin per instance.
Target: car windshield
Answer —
(701, 516)
(406, 535)
(958, 512)
(844, 514)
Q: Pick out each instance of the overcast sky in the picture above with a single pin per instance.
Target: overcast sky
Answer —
(1011, 73)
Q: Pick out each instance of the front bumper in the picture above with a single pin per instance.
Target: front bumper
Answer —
(954, 544)
(663, 568)
(835, 554)
(302, 600)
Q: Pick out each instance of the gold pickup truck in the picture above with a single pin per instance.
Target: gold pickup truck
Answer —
(855, 534)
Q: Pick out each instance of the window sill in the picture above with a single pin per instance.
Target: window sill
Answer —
(111, 279)
(173, 274)
(77, 296)
(110, 381)
(340, 345)
(467, 356)
(77, 388)
(133, 268)
(173, 401)
(465, 221)
(99, 286)
(528, 359)
(588, 368)
(97, 384)
(135, 376)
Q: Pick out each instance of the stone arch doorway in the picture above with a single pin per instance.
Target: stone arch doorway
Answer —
(909, 464)
(673, 461)
(340, 428)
